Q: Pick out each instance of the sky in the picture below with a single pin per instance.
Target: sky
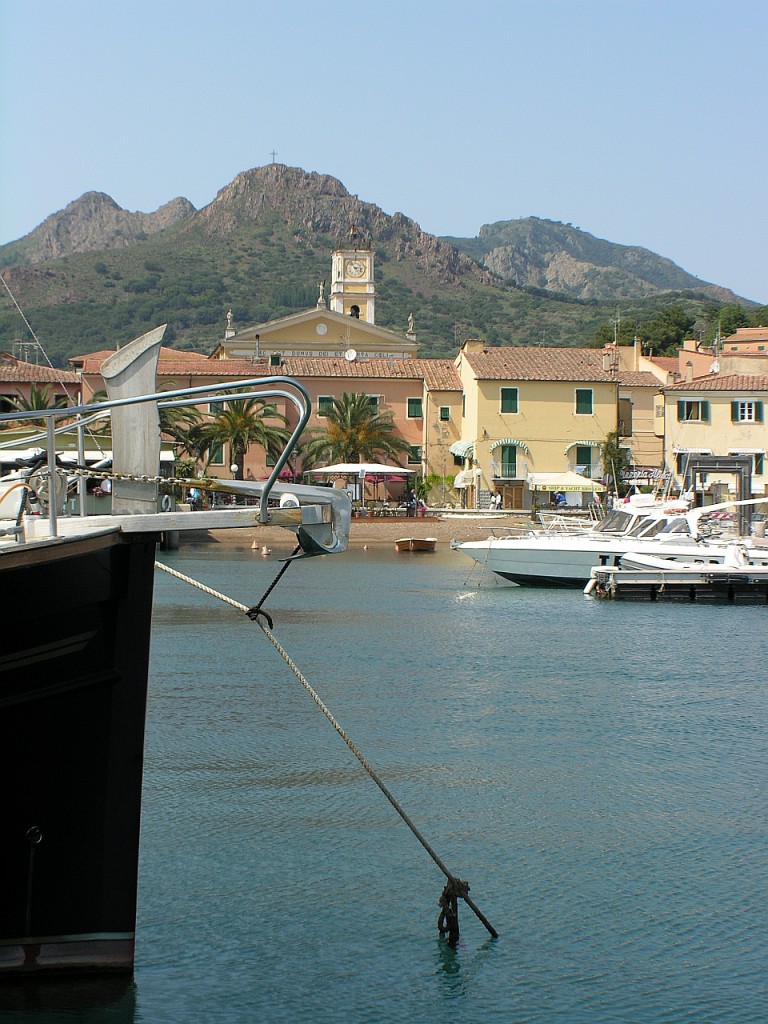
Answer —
(639, 121)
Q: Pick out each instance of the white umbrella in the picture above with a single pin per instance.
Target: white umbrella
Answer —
(359, 469)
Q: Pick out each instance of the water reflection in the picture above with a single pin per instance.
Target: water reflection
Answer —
(109, 1000)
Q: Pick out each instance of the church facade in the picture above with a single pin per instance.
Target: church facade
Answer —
(342, 325)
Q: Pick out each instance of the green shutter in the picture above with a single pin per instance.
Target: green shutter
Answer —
(680, 410)
(758, 412)
(509, 399)
(704, 412)
(734, 412)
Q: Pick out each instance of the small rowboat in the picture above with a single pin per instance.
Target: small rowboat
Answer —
(416, 544)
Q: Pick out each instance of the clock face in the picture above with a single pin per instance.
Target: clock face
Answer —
(355, 268)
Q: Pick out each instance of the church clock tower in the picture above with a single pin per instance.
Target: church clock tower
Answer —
(353, 292)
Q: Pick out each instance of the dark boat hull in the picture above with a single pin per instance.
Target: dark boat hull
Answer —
(76, 618)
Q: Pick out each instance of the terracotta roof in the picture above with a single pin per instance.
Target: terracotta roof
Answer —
(747, 334)
(669, 363)
(439, 374)
(723, 382)
(638, 379)
(104, 353)
(15, 371)
(221, 368)
(539, 363)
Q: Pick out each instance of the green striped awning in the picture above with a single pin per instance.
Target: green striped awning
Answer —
(582, 444)
(464, 449)
(512, 442)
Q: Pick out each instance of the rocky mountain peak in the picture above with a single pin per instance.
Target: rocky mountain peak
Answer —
(95, 222)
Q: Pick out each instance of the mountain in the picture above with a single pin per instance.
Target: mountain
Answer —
(92, 223)
(557, 257)
(94, 275)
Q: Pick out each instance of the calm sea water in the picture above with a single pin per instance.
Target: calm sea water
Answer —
(596, 771)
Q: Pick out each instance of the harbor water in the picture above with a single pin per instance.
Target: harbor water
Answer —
(595, 770)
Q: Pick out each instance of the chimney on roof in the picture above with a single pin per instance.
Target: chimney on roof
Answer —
(688, 372)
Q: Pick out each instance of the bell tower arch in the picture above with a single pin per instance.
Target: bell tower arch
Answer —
(353, 292)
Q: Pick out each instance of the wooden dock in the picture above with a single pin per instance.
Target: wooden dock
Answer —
(712, 583)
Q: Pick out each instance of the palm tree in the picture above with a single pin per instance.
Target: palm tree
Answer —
(179, 423)
(355, 432)
(39, 398)
(239, 424)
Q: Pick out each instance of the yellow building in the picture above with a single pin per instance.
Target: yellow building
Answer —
(717, 417)
(531, 415)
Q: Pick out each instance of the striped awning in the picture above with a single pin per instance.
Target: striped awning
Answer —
(511, 442)
(464, 449)
(582, 444)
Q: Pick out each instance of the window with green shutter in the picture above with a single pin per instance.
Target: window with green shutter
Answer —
(584, 403)
(746, 412)
(414, 408)
(509, 460)
(583, 454)
(324, 405)
(509, 399)
(692, 412)
(445, 413)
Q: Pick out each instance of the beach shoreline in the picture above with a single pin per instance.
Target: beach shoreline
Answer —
(375, 530)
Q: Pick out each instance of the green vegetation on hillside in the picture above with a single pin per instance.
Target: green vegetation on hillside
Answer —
(267, 264)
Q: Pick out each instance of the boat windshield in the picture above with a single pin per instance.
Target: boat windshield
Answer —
(614, 521)
(656, 527)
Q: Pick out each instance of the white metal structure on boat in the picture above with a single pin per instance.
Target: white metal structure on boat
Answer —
(563, 560)
(319, 516)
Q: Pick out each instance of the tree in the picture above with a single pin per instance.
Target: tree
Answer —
(178, 423)
(355, 432)
(732, 316)
(616, 461)
(238, 424)
(606, 333)
(665, 333)
(39, 398)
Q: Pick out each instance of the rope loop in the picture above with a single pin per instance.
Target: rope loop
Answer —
(255, 612)
(448, 919)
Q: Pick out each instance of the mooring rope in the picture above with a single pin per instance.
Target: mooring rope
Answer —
(484, 565)
(455, 886)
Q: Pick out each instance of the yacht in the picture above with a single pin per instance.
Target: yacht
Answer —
(664, 529)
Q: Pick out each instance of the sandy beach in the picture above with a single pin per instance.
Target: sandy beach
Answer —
(372, 530)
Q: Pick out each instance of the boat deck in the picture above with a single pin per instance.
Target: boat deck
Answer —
(708, 584)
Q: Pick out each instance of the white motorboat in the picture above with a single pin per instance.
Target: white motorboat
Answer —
(665, 530)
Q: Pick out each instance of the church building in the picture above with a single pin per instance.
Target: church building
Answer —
(341, 325)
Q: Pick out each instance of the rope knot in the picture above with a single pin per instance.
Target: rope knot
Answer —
(255, 613)
(448, 920)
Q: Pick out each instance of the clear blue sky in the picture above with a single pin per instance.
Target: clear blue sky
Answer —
(640, 121)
